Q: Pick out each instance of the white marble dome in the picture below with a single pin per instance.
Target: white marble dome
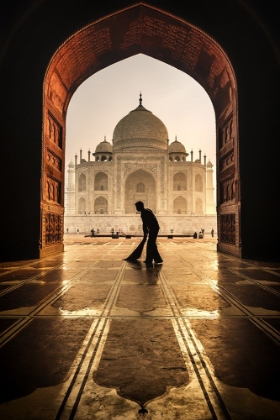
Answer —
(104, 147)
(140, 129)
(176, 147)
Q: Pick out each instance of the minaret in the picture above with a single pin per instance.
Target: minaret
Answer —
(70, 190)
(210, 202)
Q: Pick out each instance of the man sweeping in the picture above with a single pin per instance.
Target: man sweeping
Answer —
(150, 230)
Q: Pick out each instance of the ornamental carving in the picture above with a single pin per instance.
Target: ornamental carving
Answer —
(226, 133)
(126, 165)
(53, 228)
(227, 160)
(54, 131)
(227, 228)
(227, 190)
(131, 167)
(53, 160)
(53, 188)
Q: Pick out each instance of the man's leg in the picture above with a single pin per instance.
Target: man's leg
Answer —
(152, 251)
(149, 250)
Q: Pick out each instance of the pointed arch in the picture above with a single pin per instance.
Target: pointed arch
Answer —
(180, 181)
(147, 30)
(140, 185)
(180, 205)
(101, 181)
(101, 205)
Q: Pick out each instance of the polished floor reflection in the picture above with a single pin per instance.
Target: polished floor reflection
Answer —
(88, 335)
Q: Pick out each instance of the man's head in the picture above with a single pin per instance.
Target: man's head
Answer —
(139, 205)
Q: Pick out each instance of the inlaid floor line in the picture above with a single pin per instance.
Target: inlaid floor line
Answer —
(101, 319)
(10, 333)
(255, 319)
(196, 351)
(13, 330)
(29, 279)
(86, 376)
(223, 257)
(271, 271)
(95, 339)
(42, 274)
(27, 265)
(216, 406)
(266, 328)
(26, 281)
(225, 294)
(257, 282)
(251, 264)
(113, 294)
(88, 399)
(20, 267)
(81, 372)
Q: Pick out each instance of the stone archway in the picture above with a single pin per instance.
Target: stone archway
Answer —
(142, 29)
(140, 186)
(179, 182)
(101, 182)
(100, 205)
(180, 205)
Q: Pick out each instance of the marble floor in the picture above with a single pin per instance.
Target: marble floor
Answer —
(86, 334)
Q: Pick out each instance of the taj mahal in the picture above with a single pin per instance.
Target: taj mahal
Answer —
(140, 165)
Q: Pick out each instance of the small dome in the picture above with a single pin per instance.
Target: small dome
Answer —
(209, 164)
(104, 147)
(176, 147)
(140, 129)
(71, 164)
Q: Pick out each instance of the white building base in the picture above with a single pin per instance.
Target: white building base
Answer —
(132, 224)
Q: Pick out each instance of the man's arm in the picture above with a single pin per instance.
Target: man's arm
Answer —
(145, 220)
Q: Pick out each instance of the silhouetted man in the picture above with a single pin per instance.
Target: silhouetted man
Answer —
(150, 229)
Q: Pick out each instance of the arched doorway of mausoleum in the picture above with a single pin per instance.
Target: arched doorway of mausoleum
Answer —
(140, 186)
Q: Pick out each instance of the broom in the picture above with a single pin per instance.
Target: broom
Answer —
(138, 251)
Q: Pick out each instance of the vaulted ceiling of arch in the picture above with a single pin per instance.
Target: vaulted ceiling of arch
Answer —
(140, 29)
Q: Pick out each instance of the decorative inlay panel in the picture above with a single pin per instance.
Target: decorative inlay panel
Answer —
(125, 167)
(226, 133)
(227, 160)
(53, 228)
(53, 160)
(227, 228)
(130, 167)
(54, 131)
(53, 189)
(227, 190)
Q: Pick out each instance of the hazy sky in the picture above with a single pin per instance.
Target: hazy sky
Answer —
(109, 95)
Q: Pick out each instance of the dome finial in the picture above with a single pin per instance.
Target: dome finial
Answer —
(105, 139)
(176, 138)
(140, 99)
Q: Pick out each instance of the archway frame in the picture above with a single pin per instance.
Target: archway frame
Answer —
(145, 196)
(142, 29)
